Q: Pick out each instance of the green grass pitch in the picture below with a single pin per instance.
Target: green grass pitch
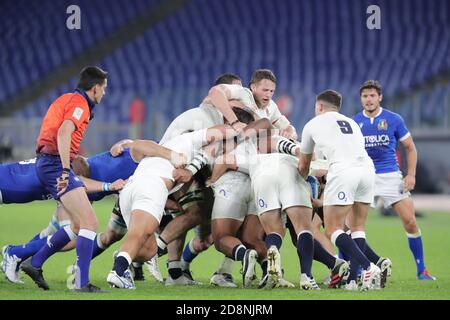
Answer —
(385, 234)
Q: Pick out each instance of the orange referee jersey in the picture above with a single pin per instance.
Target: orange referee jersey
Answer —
(70, 106)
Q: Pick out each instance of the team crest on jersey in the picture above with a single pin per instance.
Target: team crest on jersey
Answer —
(77, 113)
(382, 124)
(361, 124)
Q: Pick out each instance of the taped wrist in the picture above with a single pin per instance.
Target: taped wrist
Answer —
(106, 186)
(200, 160)
(286, 146)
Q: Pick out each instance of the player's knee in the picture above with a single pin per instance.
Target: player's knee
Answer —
(92, 223)
(410, 224)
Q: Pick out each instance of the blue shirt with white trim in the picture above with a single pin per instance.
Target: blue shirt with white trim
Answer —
(381, 135)
(19, 183)
(105, 167)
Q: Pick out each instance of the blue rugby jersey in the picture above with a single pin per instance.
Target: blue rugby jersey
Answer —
(381, 135)
(105, 167)
(19, 183)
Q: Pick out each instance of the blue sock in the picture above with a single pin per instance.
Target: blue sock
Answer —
(239, 252)
(189, 252)
(85, 244)
(370, 254)
(56, 243)
(345, 243)
(342, 255)
(361, 243)
(98, 247)
(305, 251)
(121, 263)
(323, 256)
(28, 249)
(273, 239)
(416, 247)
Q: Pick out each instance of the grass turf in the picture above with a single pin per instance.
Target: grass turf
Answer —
(385, 234)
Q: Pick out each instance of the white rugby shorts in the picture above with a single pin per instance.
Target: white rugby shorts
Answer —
(146, 193)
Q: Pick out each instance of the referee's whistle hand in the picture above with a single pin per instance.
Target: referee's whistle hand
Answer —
(61, 184)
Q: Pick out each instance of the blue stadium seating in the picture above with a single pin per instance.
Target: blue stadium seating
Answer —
(310, 45)
(35, 40)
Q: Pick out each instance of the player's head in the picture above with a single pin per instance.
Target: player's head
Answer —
(80, 166)
(94, 81)
(243, 116)
(328, 100)
(371, 96)
(228, 78)
(263, 84)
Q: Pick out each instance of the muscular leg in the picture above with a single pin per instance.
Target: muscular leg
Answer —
(174, 250)
(147, 251)
(321, 237)
(334, 224)
(301, 220)
(406, 212)
(140, 230)
(356, 221)
(252, 235)
(180, 225)
(224, 235)
(84, 222)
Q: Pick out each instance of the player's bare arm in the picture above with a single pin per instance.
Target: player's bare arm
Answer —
(304, 164)
(140, 149)
(411, 156)
(118, 147)
(223, 163)
(99, 186)
(289, 132)
(220, 95)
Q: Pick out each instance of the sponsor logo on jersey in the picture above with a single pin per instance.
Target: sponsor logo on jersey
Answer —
(342, 196)
(382, 124)
(262, 203)
(377, 140)
(223, 192)
(78, 112)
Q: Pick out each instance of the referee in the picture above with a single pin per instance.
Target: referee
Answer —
(58, 143)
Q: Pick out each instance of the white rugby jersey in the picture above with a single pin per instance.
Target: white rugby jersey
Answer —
(202, 117)
(206, 115)
(274, 115)
(338, 137)
(250, 161)
(188, 144)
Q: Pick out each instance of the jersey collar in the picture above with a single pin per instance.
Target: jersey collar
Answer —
(379, 112)
(89, 101)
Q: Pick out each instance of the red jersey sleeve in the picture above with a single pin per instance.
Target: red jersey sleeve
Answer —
(78, 111)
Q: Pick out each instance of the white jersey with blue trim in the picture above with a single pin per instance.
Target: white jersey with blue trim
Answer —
(381, 135)
(272, 112)
(338, 138)
(202, 117)
(186, 143)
